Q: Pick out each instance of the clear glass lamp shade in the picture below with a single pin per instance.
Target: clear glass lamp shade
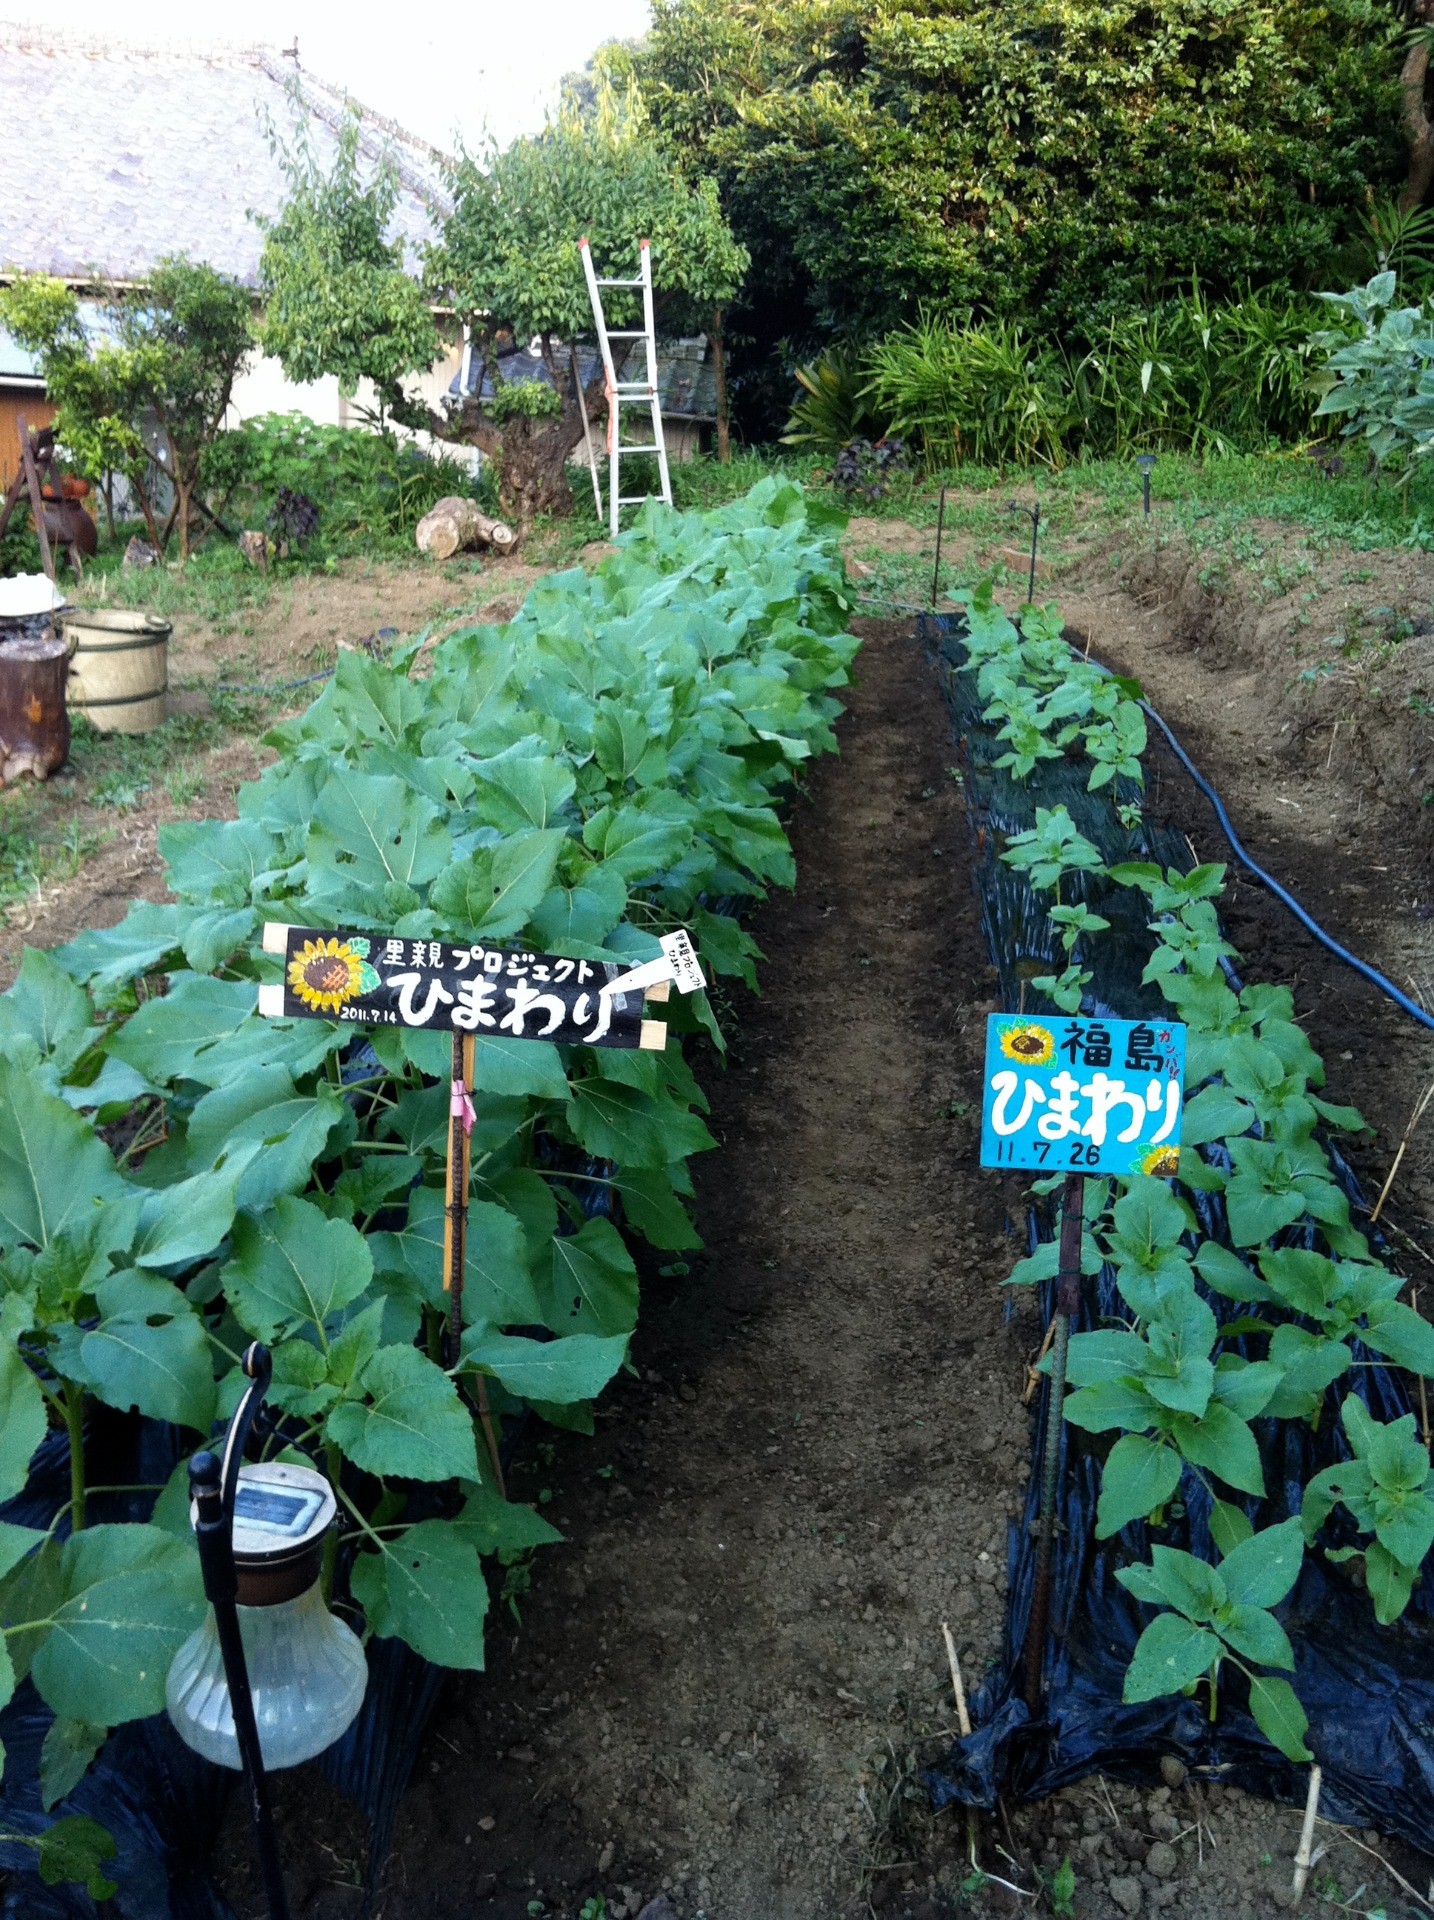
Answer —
(307, 1672)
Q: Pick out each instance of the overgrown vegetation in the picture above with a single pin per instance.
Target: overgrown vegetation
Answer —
(1056, 167)
(1193, 373)
(370, 487)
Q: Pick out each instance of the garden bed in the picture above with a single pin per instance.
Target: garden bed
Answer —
(726, 1681)
(853, 1274)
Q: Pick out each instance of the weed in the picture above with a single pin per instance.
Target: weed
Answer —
(183, 786)
(1062, 1889)
(119, 789)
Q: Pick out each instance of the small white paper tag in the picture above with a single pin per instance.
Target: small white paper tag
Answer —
(686, 970)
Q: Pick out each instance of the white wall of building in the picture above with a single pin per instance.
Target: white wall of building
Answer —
(263, 387)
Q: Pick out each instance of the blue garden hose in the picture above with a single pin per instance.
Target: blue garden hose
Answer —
(1312, 926)
(1257, 872)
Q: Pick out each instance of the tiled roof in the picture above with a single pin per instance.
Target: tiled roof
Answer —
(686, 382)
(146, 153)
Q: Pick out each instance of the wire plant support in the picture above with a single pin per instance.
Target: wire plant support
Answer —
(627, 393)
(213, 1484)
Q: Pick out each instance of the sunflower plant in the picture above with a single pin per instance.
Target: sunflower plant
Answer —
(179, 1176)
(1187, 1392)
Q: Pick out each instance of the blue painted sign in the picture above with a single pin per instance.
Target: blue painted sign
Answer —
(1079, 1095)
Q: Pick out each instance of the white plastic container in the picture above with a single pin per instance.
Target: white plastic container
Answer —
(307, 1670)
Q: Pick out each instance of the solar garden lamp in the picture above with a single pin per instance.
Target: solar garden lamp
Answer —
(271, 1678)
(1146, 464)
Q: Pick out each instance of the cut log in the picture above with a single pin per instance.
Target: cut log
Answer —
(34, 725)
(456, 525)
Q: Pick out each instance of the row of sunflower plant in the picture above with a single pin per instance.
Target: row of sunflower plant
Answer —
(1310, 1304)
(179, 1176)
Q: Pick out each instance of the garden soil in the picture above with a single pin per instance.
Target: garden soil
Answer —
(726, 1680)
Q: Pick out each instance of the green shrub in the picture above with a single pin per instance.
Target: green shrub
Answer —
(1381, 382)
(835, 407)
(983, 392)
(1039, 163)
(1189, 373)
(371, 488)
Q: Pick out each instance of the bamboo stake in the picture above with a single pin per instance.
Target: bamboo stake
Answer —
(1423, 1391)
(455, 1228)
(1418, 1114)
(1305, 1859)
(1033, 1367)
(1068, 1276)
(963, 1718)
(963, 1721)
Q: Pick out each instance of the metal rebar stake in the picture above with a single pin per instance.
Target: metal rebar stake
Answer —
(212, 1486)
(1067, 1302)
(1033, 514)
(936, 570)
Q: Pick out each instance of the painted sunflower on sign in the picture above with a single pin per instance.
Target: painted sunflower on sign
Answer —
(1163, 1162)
(326, 974)
(1031, 1044)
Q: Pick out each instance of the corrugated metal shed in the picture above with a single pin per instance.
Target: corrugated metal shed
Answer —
(686, 382)
(166, 151)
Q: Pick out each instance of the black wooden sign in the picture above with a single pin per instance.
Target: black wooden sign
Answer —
(375, 979)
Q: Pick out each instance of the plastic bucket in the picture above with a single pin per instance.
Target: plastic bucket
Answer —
(119, 668)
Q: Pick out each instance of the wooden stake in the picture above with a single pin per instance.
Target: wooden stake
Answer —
(1423, 1392)
(37, 504)
(455, 1213)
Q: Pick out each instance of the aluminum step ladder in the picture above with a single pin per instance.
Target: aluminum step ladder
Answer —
(627, 393)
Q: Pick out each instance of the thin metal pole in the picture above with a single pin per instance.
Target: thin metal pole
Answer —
(1035, 536)
(212, 1488)
(457, 1209)
(1067, 1303)
(1145, 487)
(936, 570)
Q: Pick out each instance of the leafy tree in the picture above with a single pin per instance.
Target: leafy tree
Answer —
(1050, 162)
(506, 264)
(337, 299)
(147, 400)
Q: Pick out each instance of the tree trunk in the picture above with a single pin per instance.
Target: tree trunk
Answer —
(533, 466)
(455, 525)
(181, 514)
(147, 513)
(719, 369)
(1418, 126)
(530, 457)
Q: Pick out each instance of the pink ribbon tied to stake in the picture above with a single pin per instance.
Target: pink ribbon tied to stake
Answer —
(460, 1106)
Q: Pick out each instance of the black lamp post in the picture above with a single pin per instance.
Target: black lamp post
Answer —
(212, 1484)
(1146, 463)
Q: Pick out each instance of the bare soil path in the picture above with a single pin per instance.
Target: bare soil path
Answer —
(816, 1465)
